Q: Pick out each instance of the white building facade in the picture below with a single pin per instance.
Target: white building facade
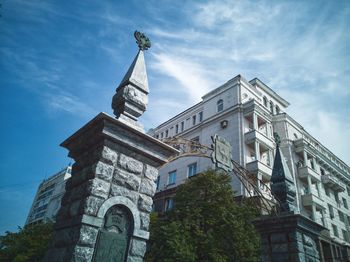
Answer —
(47, 200)
(247, 113)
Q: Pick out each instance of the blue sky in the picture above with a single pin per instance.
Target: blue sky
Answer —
(60, 62)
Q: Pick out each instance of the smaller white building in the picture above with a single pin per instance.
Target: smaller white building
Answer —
(48, 197)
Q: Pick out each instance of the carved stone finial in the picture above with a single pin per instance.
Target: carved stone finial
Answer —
(142, 41)
(277, 139)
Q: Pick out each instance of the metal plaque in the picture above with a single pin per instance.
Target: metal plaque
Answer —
(113, 240)
(221, 156)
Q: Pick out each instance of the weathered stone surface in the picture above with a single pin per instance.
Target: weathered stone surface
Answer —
(151, 173)
(148, 187)
(145, 203)
(145, 220)
(278, 238)
(88, 236)
(103, 170)
(109, 155)
(128, 180)
(91, 205)
(98, 187)
(135, 259)
(82, 254)
(56, 255)
(138, 248)
(122, 191)
(74, 208)
(130, 164)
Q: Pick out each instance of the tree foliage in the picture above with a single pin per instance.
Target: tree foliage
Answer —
(28, 244)
(206, 224)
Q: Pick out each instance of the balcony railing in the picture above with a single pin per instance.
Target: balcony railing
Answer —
(332, 182)
(253, 135)
(310, 199)
(305, 171)
(256, 166)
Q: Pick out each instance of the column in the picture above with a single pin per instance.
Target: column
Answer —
(323, 218)
(318, 186)
(257, 151)
(305, 158)
(309, 183)
(255, 121)
(313, 212)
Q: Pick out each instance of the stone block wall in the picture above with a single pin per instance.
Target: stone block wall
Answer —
(106, 173)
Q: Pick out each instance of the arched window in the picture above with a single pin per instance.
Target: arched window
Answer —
(265, 101)
(271, 107)
(277, 109)
(220, 105)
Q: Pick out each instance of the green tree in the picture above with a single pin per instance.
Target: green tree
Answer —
(206, 224)
(28, 244)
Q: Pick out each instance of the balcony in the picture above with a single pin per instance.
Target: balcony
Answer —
(305, 171)
(333, 183)
(310, 199)
(253, 135)
(255, 166)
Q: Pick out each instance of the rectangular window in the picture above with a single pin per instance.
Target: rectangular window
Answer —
(169, 204)
(326, 189)
(331, 212)
(161, 135)
(345, 236)
(182, 126)
(157, 182)
(157, 136)
(193, 120)
(341, 216)
(345, 203)
(348, 190)
(172, 177)
(166, 133)
(335, 230)
(200, 115)
(192, 169)
(322, 172)
(195, 144)
(177, 129)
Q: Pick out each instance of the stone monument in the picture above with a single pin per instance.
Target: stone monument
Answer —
(105, 210)
(287, 235)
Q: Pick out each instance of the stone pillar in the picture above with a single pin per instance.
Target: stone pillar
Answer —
(112, 183)
(257, 150)
(309, 184)
(305, 158)
(313, 212)
(255, 121)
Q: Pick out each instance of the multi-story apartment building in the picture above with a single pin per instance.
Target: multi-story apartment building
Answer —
(247, 113)
(48, 197)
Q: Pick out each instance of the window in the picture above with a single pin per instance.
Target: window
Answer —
(200, 115)
(195, 144)
(172, 177)
(271, 107)
(169, 204)
(161, 135)
(322, 172)
(194, 120)
(345, 203)
(166, 133)
(182, 126)
(326, 189)
(345, 236)
(157, 136)
(177, 129)
(192, 169)
(312, 164)
(220, 105)
(157, 182)
(277, 109)
(265, 101)
(348, 190)
(335, 230)
(331, 212)
(341, 216)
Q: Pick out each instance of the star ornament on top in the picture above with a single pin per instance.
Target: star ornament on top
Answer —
(142, 40)
(221, 155)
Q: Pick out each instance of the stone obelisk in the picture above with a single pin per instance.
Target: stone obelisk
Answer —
(105, 210)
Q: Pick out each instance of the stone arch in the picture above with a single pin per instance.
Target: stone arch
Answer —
(123, 201)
